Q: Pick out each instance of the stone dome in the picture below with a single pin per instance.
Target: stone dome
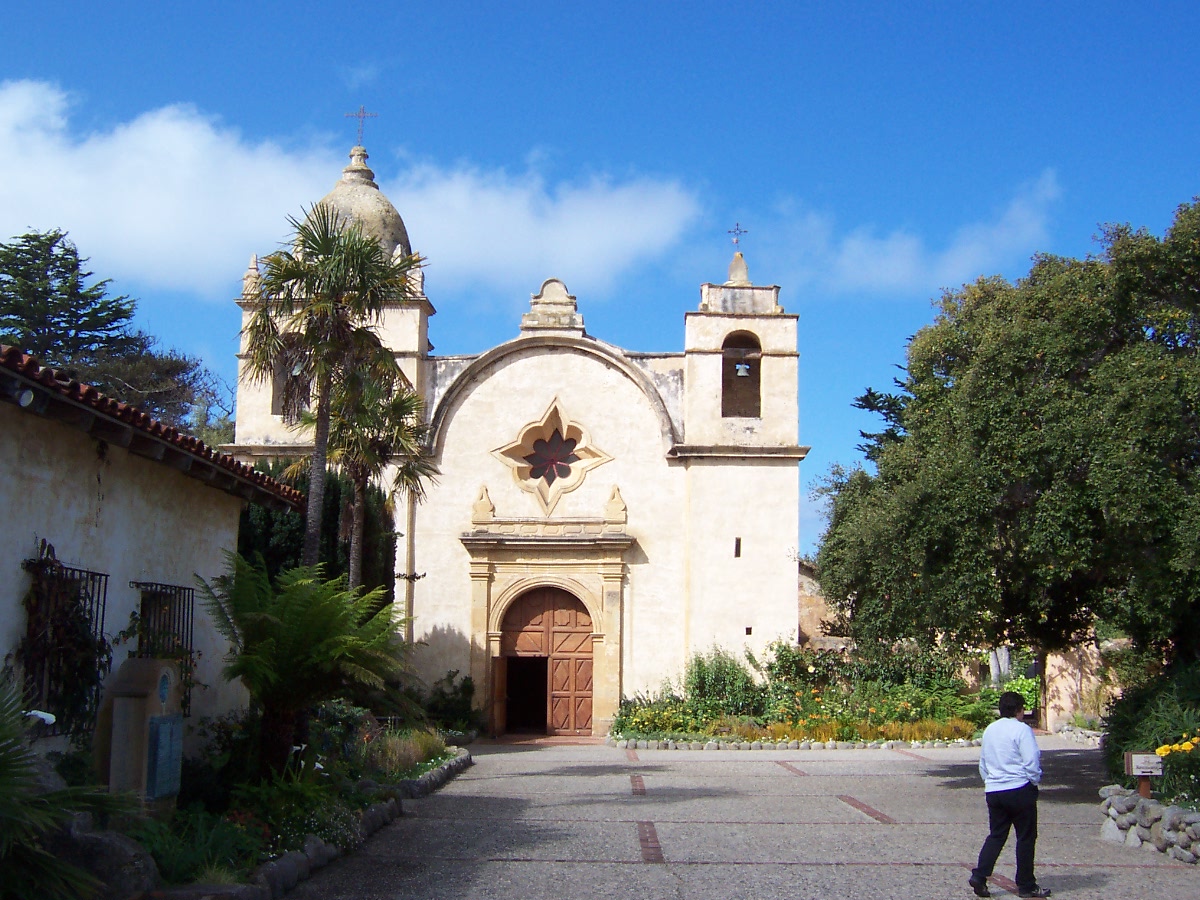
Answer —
(357, 197)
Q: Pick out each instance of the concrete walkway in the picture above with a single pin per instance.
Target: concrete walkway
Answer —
(592, 821)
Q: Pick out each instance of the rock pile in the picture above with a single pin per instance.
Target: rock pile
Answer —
(1081, 735)
(1137, 821)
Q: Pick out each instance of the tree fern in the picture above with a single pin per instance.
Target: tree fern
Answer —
(305, 640)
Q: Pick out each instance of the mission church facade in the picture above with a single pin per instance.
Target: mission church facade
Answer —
(599, 514)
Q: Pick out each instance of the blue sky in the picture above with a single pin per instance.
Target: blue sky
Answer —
(876, 153)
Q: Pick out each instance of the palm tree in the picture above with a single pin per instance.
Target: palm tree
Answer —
(318, 302)
(298, 642)
(374, 426)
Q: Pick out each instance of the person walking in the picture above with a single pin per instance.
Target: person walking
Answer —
(1010, 764)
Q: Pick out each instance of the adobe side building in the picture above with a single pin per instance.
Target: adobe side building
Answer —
(600, 514)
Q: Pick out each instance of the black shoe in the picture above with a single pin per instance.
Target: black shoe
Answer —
(979, 886)
(1034, 892)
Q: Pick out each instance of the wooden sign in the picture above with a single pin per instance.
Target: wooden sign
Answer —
(1143, 764)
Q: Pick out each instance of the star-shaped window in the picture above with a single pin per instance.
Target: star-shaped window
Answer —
(551, 457)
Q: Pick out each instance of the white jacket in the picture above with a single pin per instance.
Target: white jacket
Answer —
(1010, 757)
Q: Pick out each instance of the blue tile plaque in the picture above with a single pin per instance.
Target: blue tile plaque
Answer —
(164, 756)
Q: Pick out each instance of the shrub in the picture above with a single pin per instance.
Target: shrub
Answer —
(396, 755)
(1030, 690)
(229, 756)
(336, 733)
(27, 815)
(292, 809)
(1153, 715)
(1181, 769)
(451, 703)
(718, 677)
(195, 840)
(297, 642)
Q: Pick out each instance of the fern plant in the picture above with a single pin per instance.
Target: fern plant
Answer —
(300, 641)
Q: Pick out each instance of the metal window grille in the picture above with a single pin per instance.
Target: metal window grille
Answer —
(62, 588)
(165, 627)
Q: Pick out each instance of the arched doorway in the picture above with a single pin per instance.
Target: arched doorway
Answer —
(542, 678)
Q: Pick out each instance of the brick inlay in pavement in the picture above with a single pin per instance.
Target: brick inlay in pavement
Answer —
(638, 785)
(561, 822)
(910, 754)
(875, 814)
(648, 839)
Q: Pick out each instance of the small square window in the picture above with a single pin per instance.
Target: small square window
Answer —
(749, 629)
(737, 547)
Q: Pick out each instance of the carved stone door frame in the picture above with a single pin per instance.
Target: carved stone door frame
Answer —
(584, 557)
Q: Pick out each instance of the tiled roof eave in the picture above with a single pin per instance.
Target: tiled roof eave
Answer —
(48, 393)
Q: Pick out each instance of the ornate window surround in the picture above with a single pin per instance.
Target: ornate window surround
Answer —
(534, 450)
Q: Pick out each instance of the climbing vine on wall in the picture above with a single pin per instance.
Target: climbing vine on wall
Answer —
(63, 656)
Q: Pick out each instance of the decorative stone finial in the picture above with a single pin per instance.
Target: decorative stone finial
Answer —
(615, 511)
(250, 279)
(552, 308)
(416, 277)
(739, 275)
(358, 170)
(482, 510)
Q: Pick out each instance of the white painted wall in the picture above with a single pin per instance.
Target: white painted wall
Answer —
(109, 511)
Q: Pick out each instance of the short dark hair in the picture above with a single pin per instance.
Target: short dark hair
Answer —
(1010, 704)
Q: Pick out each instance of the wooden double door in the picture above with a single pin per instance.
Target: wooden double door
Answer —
(545, 630)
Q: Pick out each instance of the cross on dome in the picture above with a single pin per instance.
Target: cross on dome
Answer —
(360, 115)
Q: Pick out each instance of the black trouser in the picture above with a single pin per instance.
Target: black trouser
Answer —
(1016, 808)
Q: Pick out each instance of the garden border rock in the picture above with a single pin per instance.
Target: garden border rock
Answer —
(1137, 821)
(276, 877)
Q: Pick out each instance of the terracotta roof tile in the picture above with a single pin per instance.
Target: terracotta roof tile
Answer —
(12, 359)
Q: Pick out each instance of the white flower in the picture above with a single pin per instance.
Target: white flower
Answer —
(46, 717)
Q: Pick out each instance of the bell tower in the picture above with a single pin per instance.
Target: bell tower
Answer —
(741, 381)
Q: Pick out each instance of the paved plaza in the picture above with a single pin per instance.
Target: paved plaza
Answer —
(546, 820)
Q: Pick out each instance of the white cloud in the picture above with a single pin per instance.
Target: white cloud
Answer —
(175, 200)
(170, 199)
(805, 248)
(481, 228)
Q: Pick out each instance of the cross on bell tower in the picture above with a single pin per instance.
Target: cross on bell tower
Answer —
(360, 115)
(737, 231)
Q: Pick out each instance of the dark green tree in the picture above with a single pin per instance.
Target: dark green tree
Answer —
(49, 310)
(278, 536)
(1039, 471)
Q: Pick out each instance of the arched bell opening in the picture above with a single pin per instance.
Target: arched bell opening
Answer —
(741, 376)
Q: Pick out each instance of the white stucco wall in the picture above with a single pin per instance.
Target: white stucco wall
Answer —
(684, 591)
(109, 511)
(758, 502)
(621, 422)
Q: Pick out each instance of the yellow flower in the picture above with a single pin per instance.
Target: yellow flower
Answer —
(1188, 746)
(1163, 751)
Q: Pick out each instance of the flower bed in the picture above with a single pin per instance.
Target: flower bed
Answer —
(811, 696)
